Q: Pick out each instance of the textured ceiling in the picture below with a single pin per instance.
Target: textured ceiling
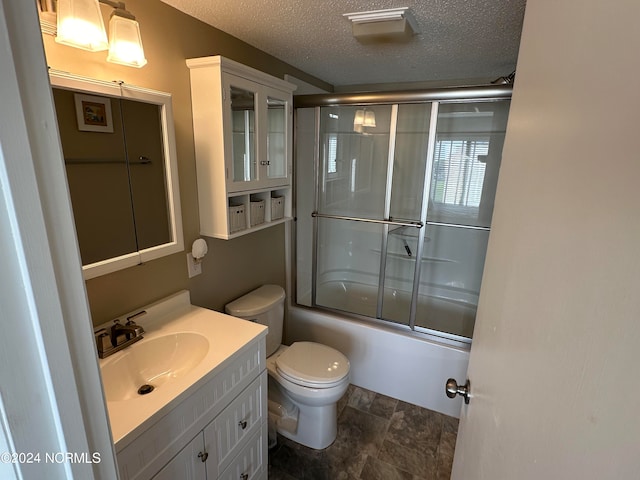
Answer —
(456, 39)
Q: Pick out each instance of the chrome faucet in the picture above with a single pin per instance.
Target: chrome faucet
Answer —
(118, 336)
(130, 330)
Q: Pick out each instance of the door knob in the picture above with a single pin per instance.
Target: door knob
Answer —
(452, 389)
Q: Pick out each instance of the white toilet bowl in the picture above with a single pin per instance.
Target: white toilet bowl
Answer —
(311, 376)
(316, 401)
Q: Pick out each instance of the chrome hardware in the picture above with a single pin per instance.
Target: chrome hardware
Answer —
(244, 476)
(103, 342)
(129, 330)
(135, 315)
(242, 424)
(452, 389)
(368, 220)
(118, 336)
(203, 456)
(265, 162)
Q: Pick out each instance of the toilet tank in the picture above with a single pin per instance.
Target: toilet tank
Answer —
(264, 305)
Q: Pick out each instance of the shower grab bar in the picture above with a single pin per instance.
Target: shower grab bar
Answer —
(368, 220)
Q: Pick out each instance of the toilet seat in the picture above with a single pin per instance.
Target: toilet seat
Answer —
(312, 365)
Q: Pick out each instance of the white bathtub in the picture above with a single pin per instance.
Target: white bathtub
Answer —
(385, 359)
(441, 310)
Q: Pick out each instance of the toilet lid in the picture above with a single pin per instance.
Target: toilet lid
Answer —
(313, 364)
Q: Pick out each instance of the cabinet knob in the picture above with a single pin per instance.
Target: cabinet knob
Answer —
(203, 456)
(242, 424)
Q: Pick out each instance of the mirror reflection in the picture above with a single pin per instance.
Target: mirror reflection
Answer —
(122, 190)
(243, 118)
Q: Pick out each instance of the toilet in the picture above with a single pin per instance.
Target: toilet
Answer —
(308, 376)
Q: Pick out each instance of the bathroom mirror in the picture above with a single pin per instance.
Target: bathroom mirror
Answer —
(118, 144)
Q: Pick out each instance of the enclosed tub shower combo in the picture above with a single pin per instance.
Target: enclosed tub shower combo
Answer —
(394, 198)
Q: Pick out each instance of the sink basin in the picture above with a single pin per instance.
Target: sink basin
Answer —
(152, 363)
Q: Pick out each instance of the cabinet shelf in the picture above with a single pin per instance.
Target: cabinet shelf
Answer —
(242, 122)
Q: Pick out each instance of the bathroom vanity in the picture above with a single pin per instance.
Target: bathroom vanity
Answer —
(206, 416)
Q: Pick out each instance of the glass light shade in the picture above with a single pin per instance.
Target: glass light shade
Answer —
(125, 43)
(358, 118)
(80, 25)
(369, 119)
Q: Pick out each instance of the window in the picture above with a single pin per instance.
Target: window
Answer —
(332, 149)
(458, 171)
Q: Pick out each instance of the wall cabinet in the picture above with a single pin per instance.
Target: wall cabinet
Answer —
(242, 122)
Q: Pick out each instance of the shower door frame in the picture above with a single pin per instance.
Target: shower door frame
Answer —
(435, 97)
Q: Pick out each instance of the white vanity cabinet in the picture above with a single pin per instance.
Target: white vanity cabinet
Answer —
(219, 431)
(242, 121)
(233, 445)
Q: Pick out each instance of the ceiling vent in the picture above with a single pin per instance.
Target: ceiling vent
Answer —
(376, 26)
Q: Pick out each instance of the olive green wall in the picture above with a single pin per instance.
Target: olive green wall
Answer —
(232, 267)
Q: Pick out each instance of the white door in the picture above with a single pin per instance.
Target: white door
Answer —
(555, 355)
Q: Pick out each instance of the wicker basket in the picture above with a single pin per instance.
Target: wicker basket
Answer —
(257, 212)
(237, 218)
(277, 208)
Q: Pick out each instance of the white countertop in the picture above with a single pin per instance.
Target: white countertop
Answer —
(227, 335)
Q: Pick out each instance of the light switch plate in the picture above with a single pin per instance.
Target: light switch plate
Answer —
(194, 268)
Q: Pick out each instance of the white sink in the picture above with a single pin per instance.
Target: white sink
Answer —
(184, 346)
(152, 362)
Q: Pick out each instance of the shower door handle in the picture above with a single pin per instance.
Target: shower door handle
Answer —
(452, 389)
(368, 220)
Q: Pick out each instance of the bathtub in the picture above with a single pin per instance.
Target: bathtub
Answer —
(439, 309)
(386, 358)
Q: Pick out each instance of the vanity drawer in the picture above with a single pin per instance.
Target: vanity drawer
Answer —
(228, 433)
(251, 461)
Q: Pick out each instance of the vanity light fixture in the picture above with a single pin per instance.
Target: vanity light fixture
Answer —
(80, 25)
(369, 119)
(363, 118)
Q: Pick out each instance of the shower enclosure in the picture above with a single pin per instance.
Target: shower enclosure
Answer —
(394, 197)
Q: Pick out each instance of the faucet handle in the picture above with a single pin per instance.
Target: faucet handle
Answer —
(103, 342)
(130, 320)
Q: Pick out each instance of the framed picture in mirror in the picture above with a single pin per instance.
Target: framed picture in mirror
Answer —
(94, 113)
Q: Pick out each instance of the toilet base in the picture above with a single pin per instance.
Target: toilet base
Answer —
(317, 416)
(317, 426)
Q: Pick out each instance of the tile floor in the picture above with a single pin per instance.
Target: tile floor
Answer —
(379, 438)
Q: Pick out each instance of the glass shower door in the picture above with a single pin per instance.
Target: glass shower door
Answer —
(409, 152)
(397, 225)
(351, 186)
(466, 161)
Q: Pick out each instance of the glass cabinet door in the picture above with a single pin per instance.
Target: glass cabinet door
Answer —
(243, 145)
(259, 152)
(276, 137)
